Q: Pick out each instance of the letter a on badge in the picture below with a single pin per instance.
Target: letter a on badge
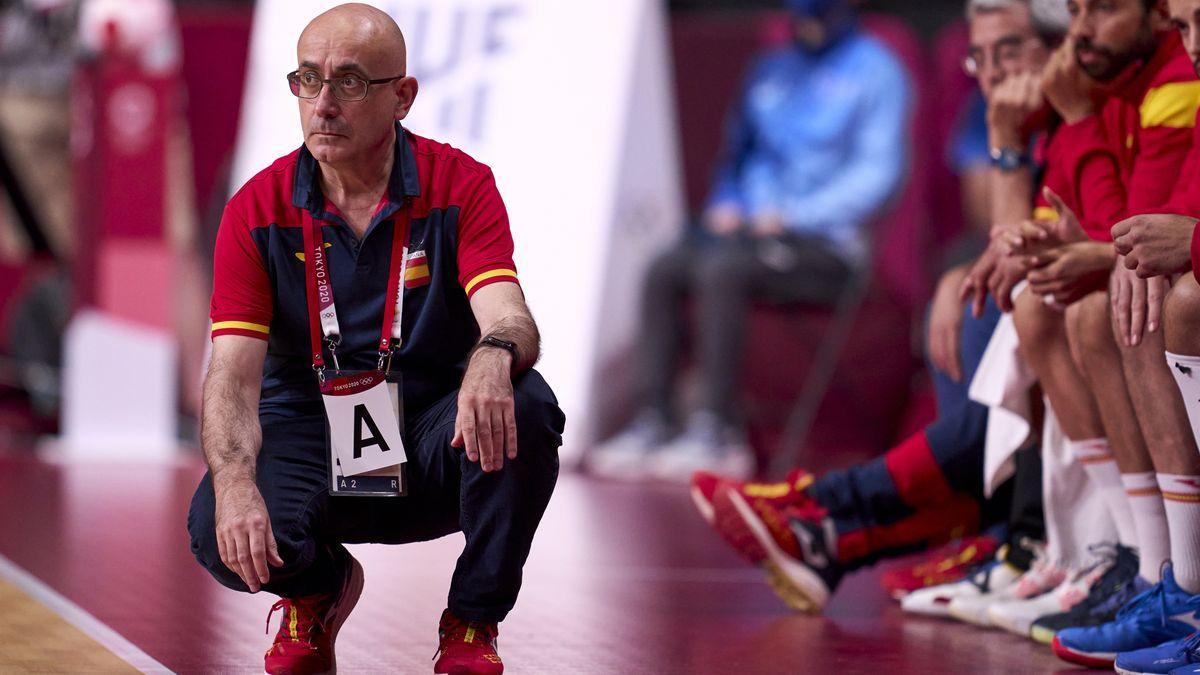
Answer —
(363, 416)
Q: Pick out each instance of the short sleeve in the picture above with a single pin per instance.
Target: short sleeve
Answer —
(485, 244)
(241, 298)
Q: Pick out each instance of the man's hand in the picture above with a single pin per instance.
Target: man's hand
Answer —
(1155, 245)
(723, 219)
(244, 537)
(974, 286)
(1072, 93)
(486, 425)
(1004, 278)
(1013, 102)
(945, 324)
(1070, 272)
(1136, 302)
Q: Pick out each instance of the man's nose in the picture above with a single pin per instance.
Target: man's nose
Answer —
(1083, 25)
(326, 104)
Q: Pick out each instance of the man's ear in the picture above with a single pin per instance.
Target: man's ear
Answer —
(406, 93)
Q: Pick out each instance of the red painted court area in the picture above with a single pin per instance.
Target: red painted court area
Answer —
(622, 579)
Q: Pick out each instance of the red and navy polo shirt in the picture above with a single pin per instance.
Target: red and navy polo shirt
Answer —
(459, 242)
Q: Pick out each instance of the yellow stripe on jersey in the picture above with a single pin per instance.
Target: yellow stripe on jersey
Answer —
(244, 325)
(1045, 213)
(1172, 105)
(490, 274)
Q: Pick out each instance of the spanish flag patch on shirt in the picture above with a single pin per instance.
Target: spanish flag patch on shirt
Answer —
(417, 273)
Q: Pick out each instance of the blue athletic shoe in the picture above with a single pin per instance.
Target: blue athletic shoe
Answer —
(1164, 658)
(1164, 613)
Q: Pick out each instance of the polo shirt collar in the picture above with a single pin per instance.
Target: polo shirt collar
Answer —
(403, 182)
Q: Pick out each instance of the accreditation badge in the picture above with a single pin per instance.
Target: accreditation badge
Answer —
(363, 411)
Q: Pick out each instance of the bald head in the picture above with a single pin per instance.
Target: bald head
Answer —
(361, 44)
(363, 28)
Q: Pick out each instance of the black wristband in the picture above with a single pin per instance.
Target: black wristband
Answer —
(493, 341)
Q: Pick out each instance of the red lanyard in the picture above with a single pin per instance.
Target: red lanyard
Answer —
(322, 314)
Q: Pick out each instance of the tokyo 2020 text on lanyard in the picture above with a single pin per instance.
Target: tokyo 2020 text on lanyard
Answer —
(322, 313)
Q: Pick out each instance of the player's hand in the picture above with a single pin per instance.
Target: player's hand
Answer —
(1067, 229)
(1071, 271)
(1009, 272)
(1155, 245)
(945, 324)
(723, 220)
(1072, 93)
(244, 537)
(974, 286)
(1027, 238)
(1136, 302)
(1012, 102)
(486, 425)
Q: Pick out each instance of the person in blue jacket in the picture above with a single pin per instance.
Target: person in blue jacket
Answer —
(815, 146)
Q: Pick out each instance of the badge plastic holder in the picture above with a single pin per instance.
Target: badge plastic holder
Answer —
(389, 481)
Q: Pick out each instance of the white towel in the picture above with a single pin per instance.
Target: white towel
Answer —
(1002, 382)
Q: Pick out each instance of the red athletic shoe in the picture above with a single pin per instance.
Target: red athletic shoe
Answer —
(791, 489)
(467, 647)
(793, 543)
(948, 564)
(304, 643)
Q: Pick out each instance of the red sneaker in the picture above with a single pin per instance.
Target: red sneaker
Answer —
(791, 489)
(467, 647)
(304, 643)
(793, 543)
(945, 565)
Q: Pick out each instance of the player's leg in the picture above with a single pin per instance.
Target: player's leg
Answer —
(1119, 464)
(662, 341)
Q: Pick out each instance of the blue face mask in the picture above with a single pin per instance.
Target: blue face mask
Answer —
(836, 18)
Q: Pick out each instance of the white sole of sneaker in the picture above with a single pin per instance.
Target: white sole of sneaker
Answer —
(797, 585)
(704, 506)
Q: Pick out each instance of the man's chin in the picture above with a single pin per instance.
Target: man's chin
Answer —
(327, 148)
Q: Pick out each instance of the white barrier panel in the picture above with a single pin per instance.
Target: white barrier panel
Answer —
(571, 105)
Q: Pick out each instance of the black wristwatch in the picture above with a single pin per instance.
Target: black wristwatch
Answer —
(1008, 159)
(493, 341)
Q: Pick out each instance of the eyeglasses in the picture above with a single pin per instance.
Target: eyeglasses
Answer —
(308, 84)
(1006, 55)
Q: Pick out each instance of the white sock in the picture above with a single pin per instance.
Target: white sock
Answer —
(1181, 497)
(1150, 519)
(1186, 370)
(1095, 456)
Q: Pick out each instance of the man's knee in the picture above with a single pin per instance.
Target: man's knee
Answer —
(540, 423)
(1036, 323)
(721, 269)
(1089, 329)
(1181, 316)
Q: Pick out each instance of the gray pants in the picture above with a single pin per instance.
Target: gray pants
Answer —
(724, 275)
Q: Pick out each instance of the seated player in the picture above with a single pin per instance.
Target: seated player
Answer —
(808, 532)
(787, 222)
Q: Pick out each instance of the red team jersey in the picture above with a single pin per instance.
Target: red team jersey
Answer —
(459, 242)
(1127, 158)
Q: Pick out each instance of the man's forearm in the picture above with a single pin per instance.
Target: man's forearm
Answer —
(229, 432)
(520, 330)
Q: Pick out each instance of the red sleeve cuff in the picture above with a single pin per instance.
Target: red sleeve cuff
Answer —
(487, 276)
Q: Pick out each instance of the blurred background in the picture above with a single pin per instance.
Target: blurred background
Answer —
(125, 125)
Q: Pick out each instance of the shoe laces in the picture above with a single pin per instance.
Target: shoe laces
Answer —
(300, 617)
(1145, 600)
(455, 629)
